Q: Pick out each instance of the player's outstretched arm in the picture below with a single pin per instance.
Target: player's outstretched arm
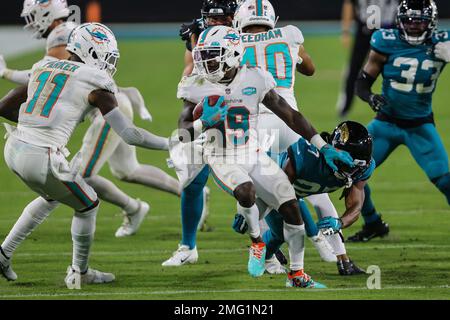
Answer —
(354, 200)
(107, 104)
(17, 76)
(305, 65)
(10, 104)
(298, 123)
(367, 78)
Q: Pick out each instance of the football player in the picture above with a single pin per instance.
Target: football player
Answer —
(193, 178)
(281, 52)
(309, 174)
(231, 147)
(48, 20)
(410, 59)
(60, 94)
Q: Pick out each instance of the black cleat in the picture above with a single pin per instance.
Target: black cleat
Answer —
(370, 231)
(281, 257)
(348, 268)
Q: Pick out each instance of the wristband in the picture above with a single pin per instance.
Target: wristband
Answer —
(318, 141)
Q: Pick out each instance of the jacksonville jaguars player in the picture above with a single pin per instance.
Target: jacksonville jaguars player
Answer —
(410, 59)
(231, 147)
(49, 20)
(195, 194)
(59, 96)
(281, 51)
(308, 172)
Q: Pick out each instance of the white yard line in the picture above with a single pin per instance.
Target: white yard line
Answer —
(158, 293)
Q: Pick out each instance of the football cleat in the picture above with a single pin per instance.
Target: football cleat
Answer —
(202, 225)
(132, 221)
(348, 268)
(257, 259)
(300, 279)
(181, 257)
(74, 278)
(5, 267)
(323, 247)
(273, 266)
(370, 231)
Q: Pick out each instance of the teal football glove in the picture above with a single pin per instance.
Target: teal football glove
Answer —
(329, 225)
(215, 114)
(240, 224)
(331, 155)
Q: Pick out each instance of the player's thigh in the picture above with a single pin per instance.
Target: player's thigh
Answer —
(227, 175)
(386, 138)
(99, 143)
(76, 193)
(271, 183)
(427, 148)
(123, 161)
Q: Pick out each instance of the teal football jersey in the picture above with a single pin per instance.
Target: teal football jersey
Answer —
(313, 175)
(410, 74)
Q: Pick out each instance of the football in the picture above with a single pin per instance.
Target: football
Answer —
(198, 110)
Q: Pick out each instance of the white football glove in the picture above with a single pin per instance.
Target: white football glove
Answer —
(442, 51)
(3, 67)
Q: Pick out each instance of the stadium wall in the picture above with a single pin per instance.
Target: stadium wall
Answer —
(142, 11)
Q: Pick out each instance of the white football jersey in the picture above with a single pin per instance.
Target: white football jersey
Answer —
(277, 52)
(58, 101)
(243, 96)
(60, 35)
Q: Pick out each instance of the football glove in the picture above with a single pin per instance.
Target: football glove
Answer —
(442, 51)
(215, 114)
(240, 224)
(331, 155)
(329, 225)
(187, 30)
(376, 102)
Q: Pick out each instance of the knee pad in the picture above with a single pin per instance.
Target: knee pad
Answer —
(443, 184)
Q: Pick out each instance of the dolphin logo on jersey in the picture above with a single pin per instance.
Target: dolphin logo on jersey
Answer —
(98, 35)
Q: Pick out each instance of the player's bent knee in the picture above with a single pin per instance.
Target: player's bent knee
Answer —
(291, 212)
(443, 184)
(245, 194)
(91, 208)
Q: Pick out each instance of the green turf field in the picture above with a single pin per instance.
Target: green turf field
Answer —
(414, 259)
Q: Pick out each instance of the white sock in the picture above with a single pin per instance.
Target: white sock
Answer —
(32, 216)
(109, 192)
(156, 178)
(83, 229)
(336, 243)
(263, 226)
(294, 235)
(323, 205)
(252, 217)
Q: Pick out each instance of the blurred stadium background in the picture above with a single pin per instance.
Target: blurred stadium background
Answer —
(414, 259)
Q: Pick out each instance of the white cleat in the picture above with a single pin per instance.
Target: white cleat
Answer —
(323, 247)
(273, 266)
(5, 268)
(181, 257)
(205, 213)
(75, 279)
(132, 221)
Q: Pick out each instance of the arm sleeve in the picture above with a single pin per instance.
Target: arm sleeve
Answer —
(16, 76)
(133, 135)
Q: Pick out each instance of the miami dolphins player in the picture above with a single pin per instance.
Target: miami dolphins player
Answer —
(60, 94)
(48, 20)
(281, 51)
(195, 193)
(410, 59)
(231, 147)
(308, 172)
